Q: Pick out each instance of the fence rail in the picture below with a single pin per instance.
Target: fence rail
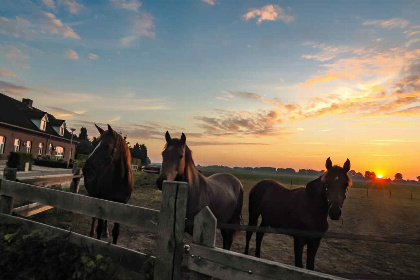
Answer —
(170, 221)
(206, 261)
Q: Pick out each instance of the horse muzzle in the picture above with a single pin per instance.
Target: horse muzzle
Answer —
(334, 211)
(159, 182)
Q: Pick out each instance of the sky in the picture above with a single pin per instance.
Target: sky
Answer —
(250, 83)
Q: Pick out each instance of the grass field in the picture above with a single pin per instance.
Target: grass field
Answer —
(378, 214)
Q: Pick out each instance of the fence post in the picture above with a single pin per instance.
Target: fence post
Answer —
(170, 247)
(6, 202)
(205, 224)
(74, 185)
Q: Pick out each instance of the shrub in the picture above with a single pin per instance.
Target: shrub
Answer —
(52, 163)
(18, 160)
(81, 160)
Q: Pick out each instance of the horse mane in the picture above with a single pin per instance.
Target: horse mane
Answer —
(188, 156)
(122, 148)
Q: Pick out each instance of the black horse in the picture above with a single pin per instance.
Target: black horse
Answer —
(301, 209)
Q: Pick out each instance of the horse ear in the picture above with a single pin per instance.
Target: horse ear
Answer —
(183, 138)
(311, 188)
(99, 129)
(168, 137)
(328, 164)
(346, 166)
(110, 129)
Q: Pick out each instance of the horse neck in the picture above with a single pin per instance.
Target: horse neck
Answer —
(320, 201)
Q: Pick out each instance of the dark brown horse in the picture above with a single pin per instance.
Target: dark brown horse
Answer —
(222, 193)
(301, 209)
(108, 175)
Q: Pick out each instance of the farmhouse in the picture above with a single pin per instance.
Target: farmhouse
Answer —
(26, 129)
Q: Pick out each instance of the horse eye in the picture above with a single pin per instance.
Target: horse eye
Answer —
(181, 156)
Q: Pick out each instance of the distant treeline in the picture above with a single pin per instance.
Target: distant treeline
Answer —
(285, 171)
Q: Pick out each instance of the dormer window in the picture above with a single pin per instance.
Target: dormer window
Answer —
(43, 124)
(62, 130)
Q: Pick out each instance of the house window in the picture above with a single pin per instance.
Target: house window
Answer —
(43, 124)
(28, 147)
(2, 144)
(17, 145)
(61, 130)
(59, 152)
(41, 149)
(50, 148)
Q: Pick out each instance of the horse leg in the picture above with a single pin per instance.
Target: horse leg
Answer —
(253, 220)
(106, 232)
(312, 249)
(100, 228)
(115, 233)
(93, 227)
(298, 246)
(229, 239)
(260, 236)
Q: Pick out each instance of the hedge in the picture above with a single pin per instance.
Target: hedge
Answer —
(18, 160)
(52, 163)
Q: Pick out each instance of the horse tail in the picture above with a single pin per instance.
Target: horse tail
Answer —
(237, 214)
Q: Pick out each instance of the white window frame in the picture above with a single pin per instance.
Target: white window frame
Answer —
(43, 124)
(2, 144)
(28, 147)
(16, 148)
(50, 149)
(59, 155)
(40, 149)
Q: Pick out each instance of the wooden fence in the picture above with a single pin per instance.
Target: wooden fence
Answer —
(169, 222)
(205, 261)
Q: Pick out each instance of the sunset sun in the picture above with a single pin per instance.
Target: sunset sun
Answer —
(379, 176)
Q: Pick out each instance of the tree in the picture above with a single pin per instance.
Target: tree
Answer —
(83, 134)
(398, 176)
(140, 152)
(370, 175)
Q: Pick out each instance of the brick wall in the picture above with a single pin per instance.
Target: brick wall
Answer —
(12, 133)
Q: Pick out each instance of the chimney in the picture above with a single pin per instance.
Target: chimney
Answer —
(28, 102)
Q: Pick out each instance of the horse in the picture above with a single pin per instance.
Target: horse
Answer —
(222, 193)
(108, 175)
(301, 209)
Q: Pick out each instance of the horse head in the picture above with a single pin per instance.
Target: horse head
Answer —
(173, 164)
(103, 156)
(333, 185)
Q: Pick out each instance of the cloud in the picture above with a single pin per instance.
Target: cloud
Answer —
(115, 119)
(143, 26)
(12, 89)
(49, 3)
(388, 24)
(6, 72)
(210, 2)
(19, 27)
(14, 53)
(268, 13)
(222, 143)
(240, 122)
(71, 54)
(54, 26)
(326, 52)
(73, 6)
(93, 56)
(64, 113)
(43, 23)
(132, 5)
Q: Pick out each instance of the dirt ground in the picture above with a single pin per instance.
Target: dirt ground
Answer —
(378, 215)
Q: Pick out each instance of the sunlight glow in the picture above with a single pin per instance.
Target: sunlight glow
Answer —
(379, 176)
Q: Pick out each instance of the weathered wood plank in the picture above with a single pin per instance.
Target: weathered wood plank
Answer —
(171, 229)
(31, 209)
(50, 180)
(145, 219)
(205, 224)
(228, 265)
(127, 258)
(6, 202)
